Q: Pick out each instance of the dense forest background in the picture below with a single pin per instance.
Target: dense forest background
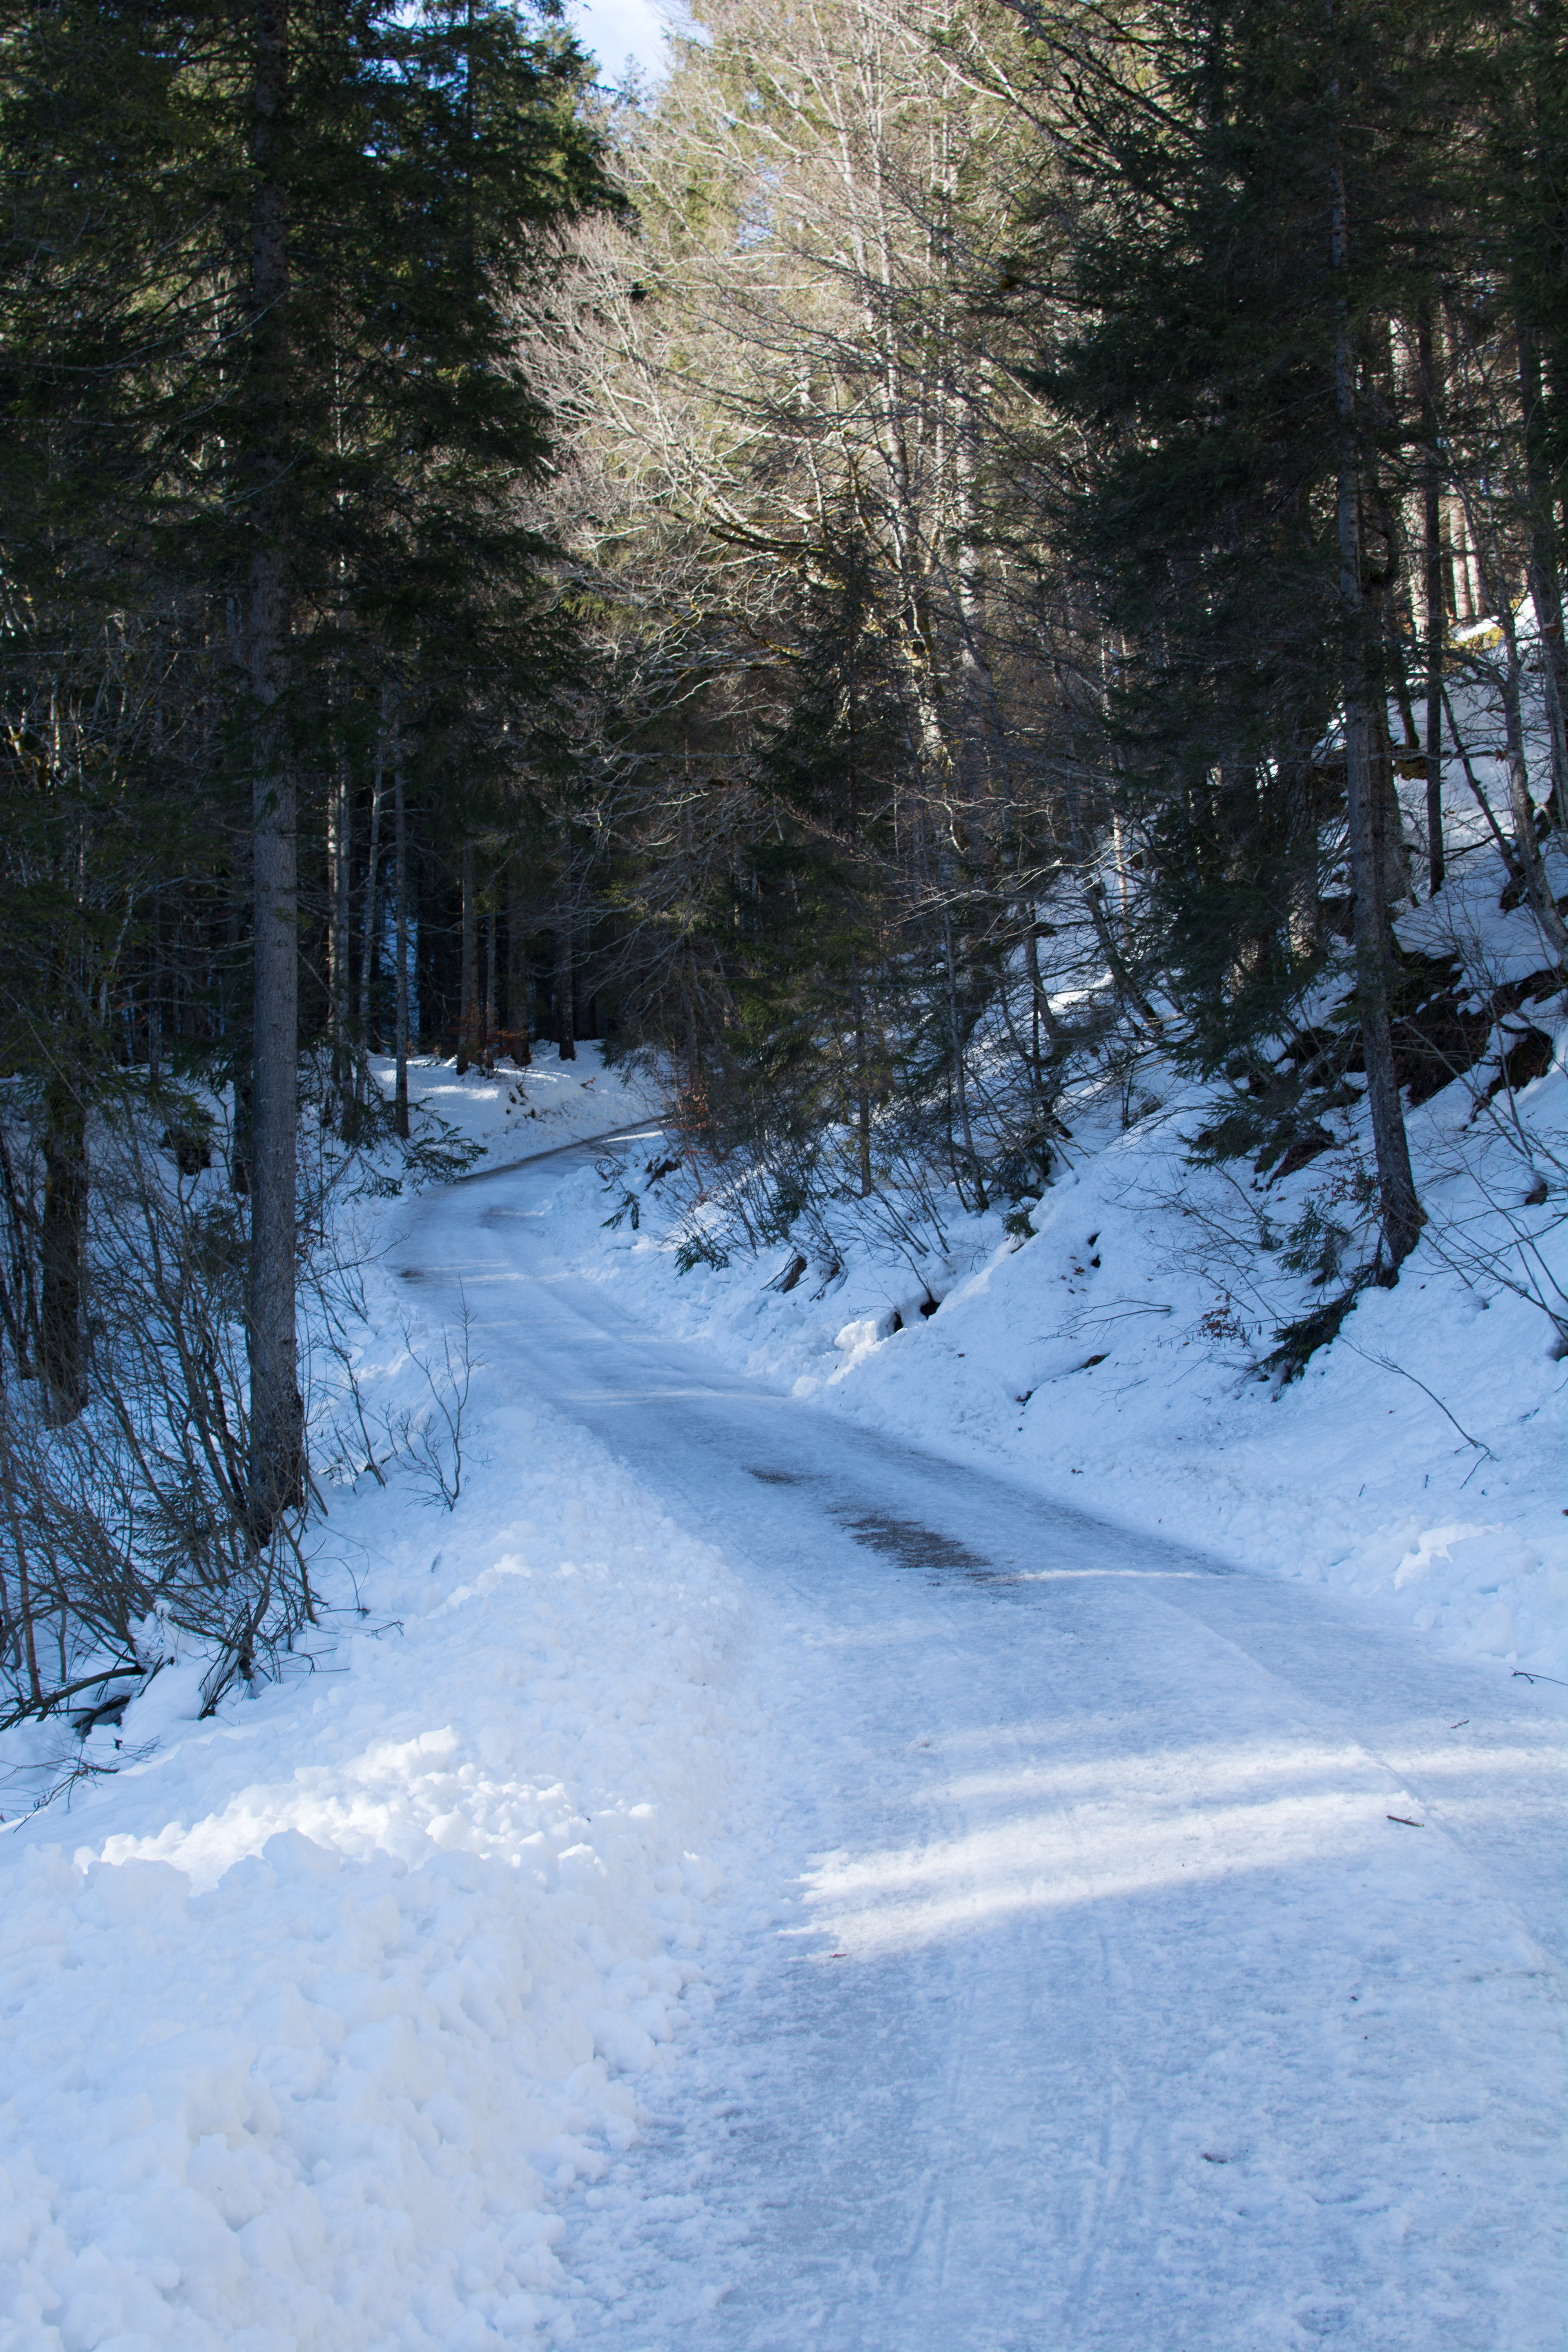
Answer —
(910, 562)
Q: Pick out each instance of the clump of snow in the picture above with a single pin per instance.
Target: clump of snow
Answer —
(309, 2011)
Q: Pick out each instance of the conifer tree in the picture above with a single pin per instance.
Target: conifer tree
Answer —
(817, 900)
(268, 448)
(1270, 198)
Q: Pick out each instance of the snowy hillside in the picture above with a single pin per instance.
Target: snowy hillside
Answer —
(1109, 1344)
(516, 1113)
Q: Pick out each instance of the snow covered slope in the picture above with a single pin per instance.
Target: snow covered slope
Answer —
(517, 1112)
(1108, 1349)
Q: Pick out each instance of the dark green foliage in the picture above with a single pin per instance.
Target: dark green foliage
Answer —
(1297, 1342)
(1227, 865)
(814, 918)
(697, 1248)
(362, 433)
(429, 153)
(1315, 1244)
(1520, 193)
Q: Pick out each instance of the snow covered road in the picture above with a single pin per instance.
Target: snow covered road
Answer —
(1120, 1952)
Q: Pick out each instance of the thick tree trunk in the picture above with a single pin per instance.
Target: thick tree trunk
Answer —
(960, 1075)
(338, 950)
(277, 1431)
(370, 928)
(276, 1413)
(1526, 847)
(24, 1605)
(688, 1005)
(565, 993)
(862, 1081)
(61, 1340)
(1302, 858)
(1392, 862)
(155, 993)
(355, 1108)
(1401, 1210)
(1545, 578)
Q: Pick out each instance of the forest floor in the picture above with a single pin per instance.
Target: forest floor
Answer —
(735, 1875)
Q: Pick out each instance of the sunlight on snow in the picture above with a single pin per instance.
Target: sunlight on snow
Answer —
(1043, 1855)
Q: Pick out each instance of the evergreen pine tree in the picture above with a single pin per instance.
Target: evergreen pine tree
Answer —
(1270, 197)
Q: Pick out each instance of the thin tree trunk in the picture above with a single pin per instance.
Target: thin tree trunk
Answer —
(277, 1416)
(487, 1041)
(1505, 847)
(1436, 610)
(1041, 1016)
(400, 857)
(467, 985)
(1401, 1210)
(517, 982)
(370, 928)
(1127, 988)
(1530, 865)
(1410, 741)
(61, 1351)
(565, 1006)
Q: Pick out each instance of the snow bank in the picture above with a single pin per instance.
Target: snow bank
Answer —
(308, 2011)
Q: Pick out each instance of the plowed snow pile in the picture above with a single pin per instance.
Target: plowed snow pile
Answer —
(307, 2011)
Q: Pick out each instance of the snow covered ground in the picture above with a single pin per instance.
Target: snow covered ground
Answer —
(742, 1876)
(518, 1113)
(308, 2013)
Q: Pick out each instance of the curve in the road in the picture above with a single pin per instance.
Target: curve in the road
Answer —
(1082, 1984)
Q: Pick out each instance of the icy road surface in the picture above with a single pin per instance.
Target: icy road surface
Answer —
(1121, 1952)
